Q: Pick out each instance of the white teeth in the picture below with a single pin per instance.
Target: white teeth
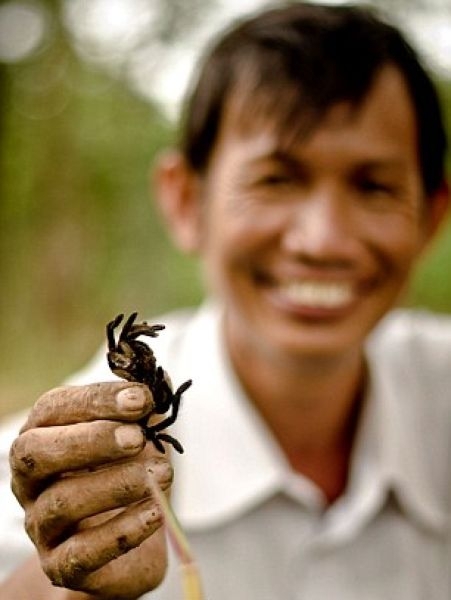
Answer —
(318, 294)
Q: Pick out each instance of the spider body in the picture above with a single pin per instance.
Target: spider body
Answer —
(134, 360)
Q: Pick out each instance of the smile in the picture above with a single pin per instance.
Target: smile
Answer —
(318, 294)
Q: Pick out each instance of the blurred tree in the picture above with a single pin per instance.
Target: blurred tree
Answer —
(79, 238)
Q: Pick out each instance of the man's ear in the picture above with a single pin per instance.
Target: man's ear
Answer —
(438, 205)
(177, 190)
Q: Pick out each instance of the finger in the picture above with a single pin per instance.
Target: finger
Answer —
(134, 573)
(121, 401)
(38, 454)
(68, 501)
(72, 561)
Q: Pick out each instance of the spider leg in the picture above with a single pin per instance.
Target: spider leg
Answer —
(110, 331)
(182, 388)
(155, 439)
(144, 329)
(127, 327)
(175, 404)
(168, 438)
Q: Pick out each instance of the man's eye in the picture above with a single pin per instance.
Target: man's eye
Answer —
(274, 179)
(372, 186)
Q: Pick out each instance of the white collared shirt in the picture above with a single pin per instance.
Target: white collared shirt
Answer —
(259, 530)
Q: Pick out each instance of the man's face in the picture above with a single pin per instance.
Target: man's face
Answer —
(309, 244)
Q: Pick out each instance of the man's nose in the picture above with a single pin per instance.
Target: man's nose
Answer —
(321, 227)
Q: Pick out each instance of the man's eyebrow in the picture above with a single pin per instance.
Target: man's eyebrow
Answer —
(278, 155)
(295, 162)
(380, 164)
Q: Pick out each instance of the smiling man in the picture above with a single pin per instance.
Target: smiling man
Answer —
(317, 431)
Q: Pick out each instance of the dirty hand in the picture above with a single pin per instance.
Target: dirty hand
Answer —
(84, 474)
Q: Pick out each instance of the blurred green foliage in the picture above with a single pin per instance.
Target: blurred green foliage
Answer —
(431, 284)
(80, 239)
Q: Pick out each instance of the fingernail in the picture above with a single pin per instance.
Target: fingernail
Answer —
(131, 399)
(129, 437)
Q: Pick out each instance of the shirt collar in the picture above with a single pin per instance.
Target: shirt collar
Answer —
(223, 435)
(390, 443)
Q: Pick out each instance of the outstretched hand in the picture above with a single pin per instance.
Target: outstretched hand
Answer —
(84, 474)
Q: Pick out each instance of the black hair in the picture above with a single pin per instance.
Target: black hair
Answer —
(294, 63)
